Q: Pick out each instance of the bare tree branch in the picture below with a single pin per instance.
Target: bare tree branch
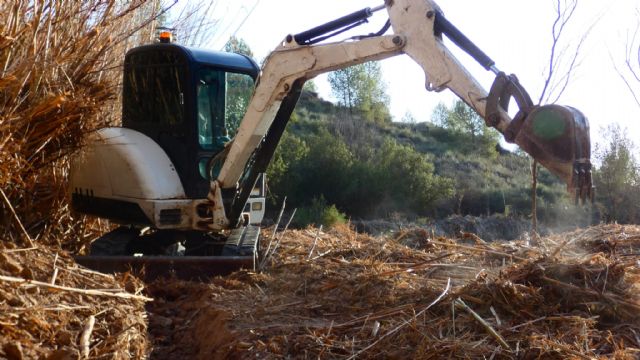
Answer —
(563, 15)
(572, 66)
(626, 82)
(554, 84)
(631, 70)
(629, 48)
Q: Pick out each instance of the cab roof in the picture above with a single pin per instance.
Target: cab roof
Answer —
(226, 60)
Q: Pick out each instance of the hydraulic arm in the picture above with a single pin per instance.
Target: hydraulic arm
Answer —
(556, 136)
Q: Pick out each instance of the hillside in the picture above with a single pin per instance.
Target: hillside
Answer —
(453, 172)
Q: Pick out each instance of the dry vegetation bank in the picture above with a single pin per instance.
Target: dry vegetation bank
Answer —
(60, 69)
(413, 295)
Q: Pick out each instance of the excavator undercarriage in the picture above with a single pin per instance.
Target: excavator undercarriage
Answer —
(185, 255)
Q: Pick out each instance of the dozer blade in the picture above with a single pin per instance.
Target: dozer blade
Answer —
(240, 251)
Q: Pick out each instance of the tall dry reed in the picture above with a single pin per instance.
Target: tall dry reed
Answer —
(60, 66)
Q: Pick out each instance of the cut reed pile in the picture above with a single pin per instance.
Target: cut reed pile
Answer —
(52, 309)
(59, 77)
(575, 295)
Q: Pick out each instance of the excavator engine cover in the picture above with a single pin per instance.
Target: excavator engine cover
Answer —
(558, 137)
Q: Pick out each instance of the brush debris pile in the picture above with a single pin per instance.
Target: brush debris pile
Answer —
(61, 66)
(52, 309)
(346, 295)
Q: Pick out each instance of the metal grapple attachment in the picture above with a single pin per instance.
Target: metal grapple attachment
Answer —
(556, 136)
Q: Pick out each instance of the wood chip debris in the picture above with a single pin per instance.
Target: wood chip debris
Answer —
(513, 300)
(84, 315)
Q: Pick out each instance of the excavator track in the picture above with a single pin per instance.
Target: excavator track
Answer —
(182, 267)
(239, 251)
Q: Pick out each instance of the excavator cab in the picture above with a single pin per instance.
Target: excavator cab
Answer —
(188, 101)
(180, 108)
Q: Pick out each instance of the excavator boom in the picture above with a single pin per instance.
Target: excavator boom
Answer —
(554, 135)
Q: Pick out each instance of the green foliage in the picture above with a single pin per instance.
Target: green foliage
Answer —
(485, 185)
(408, 118)
(239, 88)
(470, 134)
(409, 169)
(326, 169)
(238, 46)
(408, 178)
(360, 88)
(310, 86)
(617, 179)
(390, 178)
(281, 177)
(311, 107)
(319, 213)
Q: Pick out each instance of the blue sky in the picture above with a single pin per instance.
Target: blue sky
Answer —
(515, 33)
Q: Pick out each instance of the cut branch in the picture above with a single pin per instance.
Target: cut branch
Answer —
(91, 292)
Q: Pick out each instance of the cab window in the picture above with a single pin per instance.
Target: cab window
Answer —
(210, 93)
(239, 90)
(154, 89)
(222, 100)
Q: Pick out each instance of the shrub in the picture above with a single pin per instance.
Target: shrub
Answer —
(319, 213)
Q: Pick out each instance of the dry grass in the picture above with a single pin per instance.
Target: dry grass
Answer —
(60, 66)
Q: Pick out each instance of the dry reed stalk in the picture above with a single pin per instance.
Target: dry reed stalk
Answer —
(48, 321)
(315, 241)
(58, 82)
(406, 322)
(90, 292)
(13, 211)
(267, 253)
(479, 249)
(458, 303)
(85, 336)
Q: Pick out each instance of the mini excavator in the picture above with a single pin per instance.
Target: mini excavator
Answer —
(190, 198)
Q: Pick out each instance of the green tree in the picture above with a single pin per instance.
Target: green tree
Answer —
(617, 178)
(408, 118)
(360, 88)
(310, 86)
(283, 179)
(238, 46)
(343, 85)
(473, 135)
(239, 87)
(408, 178)
(319, 213)
(326, 169)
